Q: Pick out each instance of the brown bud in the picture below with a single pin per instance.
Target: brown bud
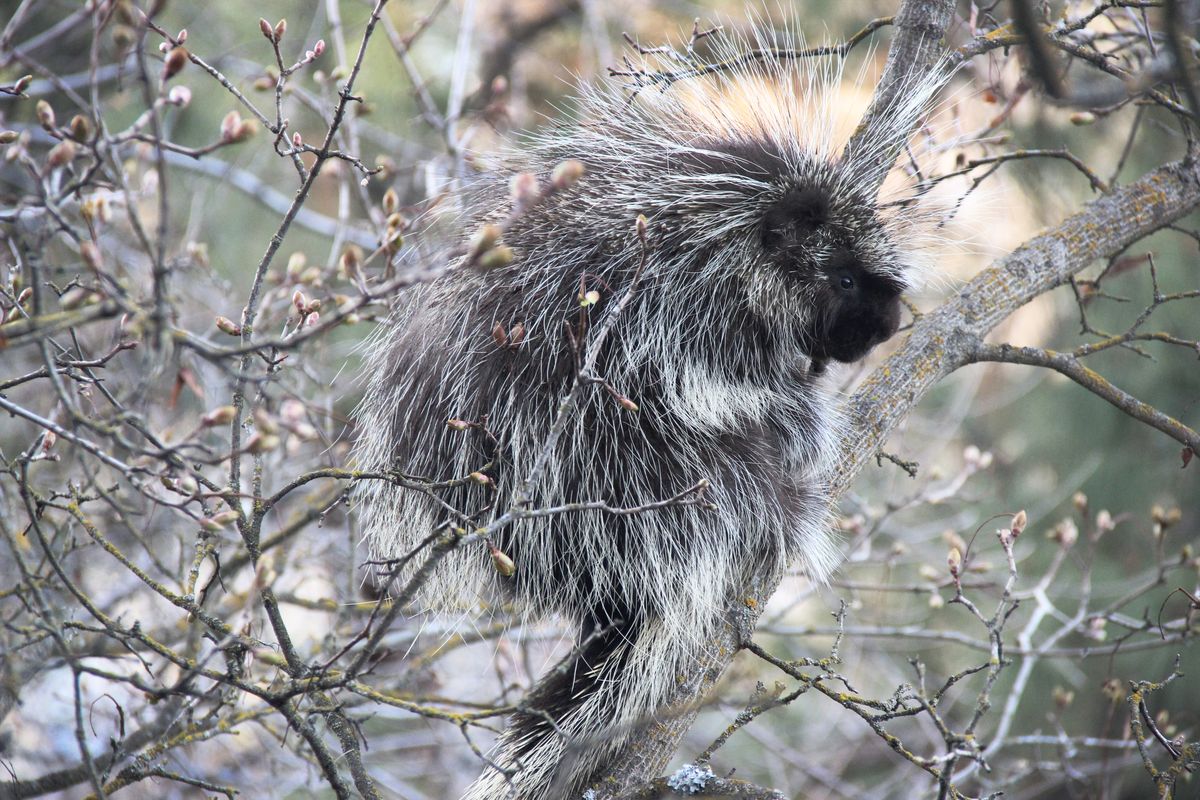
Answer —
(484, 239)
(566, 173)
(500, 560)
(8, 137)
(458, 424)
(480, 478)
(523, 188)
(1019, 521)
(22, 84)
(229, 126)
(1083, 118)
(627, 404)
(280, 29)
(221, 415)
(81, 128)
(175, 61)
(1166, 517)
(1066, 533)
(954, 562)
(391, 201)
(266, 28)
(227, 325)
(225, 517)
(262, 443)
(299, 300)
(45, 115)
(640, 225)
(350, 263)
(500, 335)
(589, 298)
(516, 334)
(61, 154)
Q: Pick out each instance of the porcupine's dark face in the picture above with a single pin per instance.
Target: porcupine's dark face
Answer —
(832, 253)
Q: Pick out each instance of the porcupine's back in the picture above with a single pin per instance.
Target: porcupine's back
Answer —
(709, 349)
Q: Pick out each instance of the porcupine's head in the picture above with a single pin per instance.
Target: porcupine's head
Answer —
(830, 248)
(745, 176)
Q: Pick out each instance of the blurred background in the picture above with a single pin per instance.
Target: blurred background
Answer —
(444, 86)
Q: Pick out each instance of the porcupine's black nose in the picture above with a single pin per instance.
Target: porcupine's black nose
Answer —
(889, 322)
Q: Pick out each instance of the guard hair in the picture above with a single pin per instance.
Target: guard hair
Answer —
(766, 257)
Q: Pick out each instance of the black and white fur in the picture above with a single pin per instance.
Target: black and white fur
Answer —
(767, 259)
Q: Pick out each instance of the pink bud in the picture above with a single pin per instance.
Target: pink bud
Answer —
(229, 126)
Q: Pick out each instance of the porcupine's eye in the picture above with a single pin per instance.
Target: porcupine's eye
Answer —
(846, 282)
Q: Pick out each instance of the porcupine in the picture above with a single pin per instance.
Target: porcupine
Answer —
(766, 256)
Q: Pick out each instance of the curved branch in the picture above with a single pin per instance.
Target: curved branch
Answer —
(1069, 365)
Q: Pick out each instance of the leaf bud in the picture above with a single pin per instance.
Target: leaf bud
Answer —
(500, 560)
(221, 415)
(61, 154)
(226, 325)
(566, 173)
(498, 256)
(175, 61)
(45, 115)
(81, 128)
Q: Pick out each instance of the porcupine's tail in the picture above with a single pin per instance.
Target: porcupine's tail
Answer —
(614, 685)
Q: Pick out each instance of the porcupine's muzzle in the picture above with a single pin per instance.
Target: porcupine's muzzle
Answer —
(853, 331)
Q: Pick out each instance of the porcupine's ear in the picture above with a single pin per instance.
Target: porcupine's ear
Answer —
(794, 216)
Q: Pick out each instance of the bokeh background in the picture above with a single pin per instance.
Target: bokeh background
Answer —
(991, 440)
